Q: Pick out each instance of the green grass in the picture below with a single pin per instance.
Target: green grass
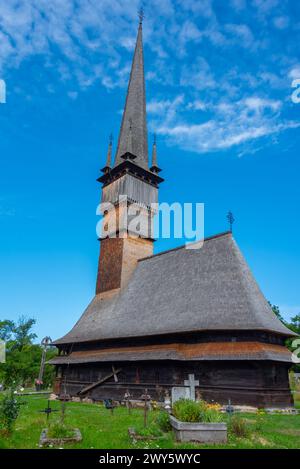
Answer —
(100, 429)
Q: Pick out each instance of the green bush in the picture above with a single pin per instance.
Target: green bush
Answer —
(151, 431)
(238, 427)
(211, 416)
(187, 410)
(163, 421)
(59, 430)
(9, 410)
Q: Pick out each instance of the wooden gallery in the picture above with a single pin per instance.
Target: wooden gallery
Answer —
(156, 319)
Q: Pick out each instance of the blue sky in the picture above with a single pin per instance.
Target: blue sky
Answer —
(219, 91)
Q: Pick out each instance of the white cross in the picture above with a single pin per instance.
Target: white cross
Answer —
(192, 383)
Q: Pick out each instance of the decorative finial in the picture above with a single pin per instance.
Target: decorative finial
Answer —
(141, 14)
(154, 168)
(230, 219)
(108, 158)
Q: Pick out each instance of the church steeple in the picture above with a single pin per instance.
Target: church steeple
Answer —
(129, 187)
(134, 116)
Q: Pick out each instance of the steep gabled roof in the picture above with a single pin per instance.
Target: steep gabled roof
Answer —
(182, 290)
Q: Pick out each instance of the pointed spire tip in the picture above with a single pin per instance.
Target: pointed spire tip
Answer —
(141, 14)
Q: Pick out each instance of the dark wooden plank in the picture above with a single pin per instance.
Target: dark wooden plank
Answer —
(97, 383)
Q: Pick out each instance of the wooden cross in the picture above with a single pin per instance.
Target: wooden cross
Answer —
(46, 341)
(115, 372)
(192, 383)
(146, 398)
(127, 397)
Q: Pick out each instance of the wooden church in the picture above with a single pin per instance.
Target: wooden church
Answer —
(156, 319)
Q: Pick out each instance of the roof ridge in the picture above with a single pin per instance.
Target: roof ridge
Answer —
(208, 238)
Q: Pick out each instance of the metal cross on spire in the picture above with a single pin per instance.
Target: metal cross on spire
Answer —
(141, 14)
(230, 219)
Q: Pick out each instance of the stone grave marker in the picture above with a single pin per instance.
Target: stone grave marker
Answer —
(180, 392)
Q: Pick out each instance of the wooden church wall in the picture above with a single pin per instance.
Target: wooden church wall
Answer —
(243, 382)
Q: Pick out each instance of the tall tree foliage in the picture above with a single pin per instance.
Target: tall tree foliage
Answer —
(23, 357)
(293, 324)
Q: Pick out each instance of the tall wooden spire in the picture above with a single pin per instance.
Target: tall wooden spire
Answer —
(134, 116)
(128, 186)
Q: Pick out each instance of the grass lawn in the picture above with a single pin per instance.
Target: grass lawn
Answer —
(102, 430)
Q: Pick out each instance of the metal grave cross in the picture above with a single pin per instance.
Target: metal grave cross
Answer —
(192, 383)
(48, 410)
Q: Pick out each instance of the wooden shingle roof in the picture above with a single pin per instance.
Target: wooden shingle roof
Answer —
(181, 352)
(181, 290)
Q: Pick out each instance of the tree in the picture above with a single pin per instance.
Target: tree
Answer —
(23, 357)
(276, 311)
(22, 332)
(293, 325)
(6, 329)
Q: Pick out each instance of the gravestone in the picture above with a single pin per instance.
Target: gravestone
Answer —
(192, 383)
(180, 392)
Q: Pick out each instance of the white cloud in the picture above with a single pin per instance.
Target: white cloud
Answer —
(281, 22)
(232, 124)
(238, 4)
(197, 105)
(198, 76)
(258, 104)
(73, 95)
(195, 60)
(242, 33)
(265, 7)
(165, 109)
(294, 73)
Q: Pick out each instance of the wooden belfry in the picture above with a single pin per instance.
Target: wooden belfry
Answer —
(160, 318)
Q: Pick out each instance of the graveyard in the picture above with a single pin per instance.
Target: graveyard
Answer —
(149, 246)
(103, 429)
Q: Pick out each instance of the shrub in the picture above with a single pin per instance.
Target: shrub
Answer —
(211, 415)
(238, 427)
(259, 422)
(59, 430)
(163, 421)
(9, 410)
(187, 410)
(151, 431)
